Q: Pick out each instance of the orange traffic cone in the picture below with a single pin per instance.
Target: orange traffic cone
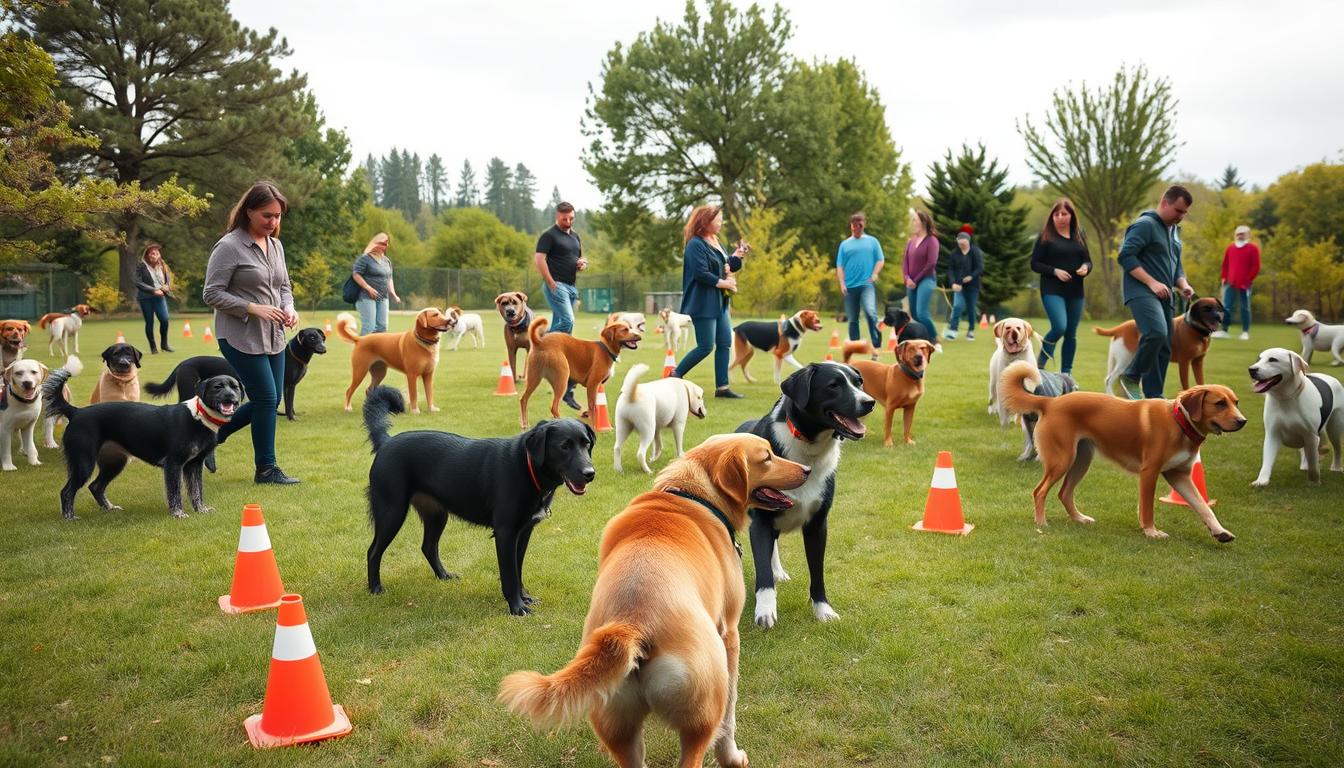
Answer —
(669, 364)
(1197, 475)
(256, 577)
(506, 387)
(186, 330)
(658, 329)
(298, 706)
(984, 321)
(892, 341)
(327, 330)
(207, 337)
(830, 358)
(601, 422)
(835, 339)
(121, 337)
(942, 511)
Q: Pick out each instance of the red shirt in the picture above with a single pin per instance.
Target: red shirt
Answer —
(1241, 265)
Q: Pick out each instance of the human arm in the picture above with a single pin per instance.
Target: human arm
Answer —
(143, 281)
(878, 263)
(1222, 273)
(1085, 268)
(1255, 264)
(286, 289)
(392, 290)
(1130, 247)
(977, 264)
(840, 268)
(362, 265)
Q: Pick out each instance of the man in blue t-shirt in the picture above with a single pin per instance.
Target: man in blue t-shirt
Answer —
(858, 262)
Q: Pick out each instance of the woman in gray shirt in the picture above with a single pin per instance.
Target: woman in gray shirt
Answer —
(373, 274)
(247, 284)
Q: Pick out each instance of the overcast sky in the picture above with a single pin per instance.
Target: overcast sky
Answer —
(1260, 84)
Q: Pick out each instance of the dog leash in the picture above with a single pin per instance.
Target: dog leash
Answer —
(732, 532)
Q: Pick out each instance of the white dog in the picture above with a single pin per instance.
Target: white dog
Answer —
(651, 407)
(1012, 342)
(463, 323)
(63, 327)
(633, 319)
(1300, 408)
(20, 407)
(75, 367)
(677, 327)
(1317, 335)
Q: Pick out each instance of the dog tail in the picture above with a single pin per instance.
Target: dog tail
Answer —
(47, 318)
(53, 391)
(344, 322)
(1017, 385)
(379, 405)
(536, 329)
(1107, 332)
(631, 382)
(164, 387)
(610, 654)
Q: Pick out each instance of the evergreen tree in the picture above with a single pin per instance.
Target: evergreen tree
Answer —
(371, 175)
(1230, 179)
(467, 192)
(390, 174)
(436, 180)
(524, 199)
(498, 188)
(548, 215)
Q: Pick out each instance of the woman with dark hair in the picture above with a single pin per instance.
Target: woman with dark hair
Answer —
(919, 267)
(153, 282)
(247, 284)
(707, 286)
(1061, 258)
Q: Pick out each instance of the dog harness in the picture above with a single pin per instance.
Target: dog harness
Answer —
(199, 413)
(1312, 331)
(1187, 426)
(1327, 399)
(521, 326)
(732, 532)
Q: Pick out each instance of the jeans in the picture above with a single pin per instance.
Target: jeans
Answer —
(372, 314)
(1153, 317)
(1065, 312)
(263, 379)
(1234, 297)
(863, 298)
(562, 301)
(920, 296)
(712, 334)
(964, 300)
(151, 307)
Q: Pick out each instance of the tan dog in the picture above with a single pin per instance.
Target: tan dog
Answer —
(661, 634)
(861, 347)
(20, 406)
(1149, 437)
(512, 307)
(1189, 341)
(120, 379)
(780, 339)
(12, 335)
(414, 353)
(559, 358)
(1012, 342)
(64, 326)
(898, 386)
(677, 328)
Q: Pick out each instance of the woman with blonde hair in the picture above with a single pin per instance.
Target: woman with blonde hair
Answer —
(373, 274)
(153, 283)
(708, 281)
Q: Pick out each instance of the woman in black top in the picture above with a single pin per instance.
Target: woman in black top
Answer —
(1060, 257)
(153, 283)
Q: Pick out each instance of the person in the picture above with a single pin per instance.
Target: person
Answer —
(1150, 256)
(153, 283)
(247, 284)
(1061, 257)
(858, 262)
(559, 259)
(708, 280)
(919, 266)
(373, 273)
(1241, 264)
(964, 269)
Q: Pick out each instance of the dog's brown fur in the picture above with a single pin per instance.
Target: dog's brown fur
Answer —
(806, 320)
(559, 357)
(1141, 436)
(414, 353)
(116, 387)
(894, 388)
(12, 335)
(514, 340)
(1188, 346)
(862, 347)
(661, 634)
(45, 320)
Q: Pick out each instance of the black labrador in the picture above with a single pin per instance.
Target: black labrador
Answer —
(298, 354)
(505, 483)
(906, 327)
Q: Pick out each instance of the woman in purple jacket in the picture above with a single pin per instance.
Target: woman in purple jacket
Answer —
(920, 267)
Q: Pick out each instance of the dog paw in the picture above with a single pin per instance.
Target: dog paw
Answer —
(735, 758)
(9, 468)
(824, 612)
(530, 600)
(1224, 536)
(1084, 519)
(447, 576)
(349, 408)
(116, 508)
(1258, 483)
(375, 589)
(909, 441)
(434, 409)
(177, 513)
(520, 610)
(1153, 533)
(781, 575)
(887, 443)
(204, 510)
(416, 410)
(766, 614)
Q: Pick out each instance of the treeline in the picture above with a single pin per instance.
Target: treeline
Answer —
(400, 181)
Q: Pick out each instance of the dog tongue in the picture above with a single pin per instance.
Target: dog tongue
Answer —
(1264, 385)
(854, 426)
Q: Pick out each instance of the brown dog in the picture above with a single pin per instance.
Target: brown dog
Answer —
(64, 327)
(863, 347)
(661, 634)
(780, 339)
(1189, 341)
(512, 307)
(120, 380)
(1149, 437)
(414, 353)
(898, 386)
(12, 335)
(560, 358)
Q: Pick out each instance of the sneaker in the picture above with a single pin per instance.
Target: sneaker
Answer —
(1219, 335)
(970, 335)
(1132, 388)
(1244, 336)
(728, 393)
(164, 346)
(273, 474)
(949, 335)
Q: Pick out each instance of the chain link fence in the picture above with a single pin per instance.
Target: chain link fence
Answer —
(29, 291)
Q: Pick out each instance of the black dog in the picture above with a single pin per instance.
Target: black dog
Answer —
(821, 406)
(505, 484)
(906, 327)
(175, 437)
(299, 352)
(188, 374)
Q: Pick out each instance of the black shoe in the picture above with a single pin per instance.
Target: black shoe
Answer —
(571, 402)
(273, 474)
(165, 347)
(727, 393)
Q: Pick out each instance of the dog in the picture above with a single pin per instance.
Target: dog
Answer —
(465, 324)
(120, 379)
(1317, 335)
(677, 327)
(901, 325)
(1297, 415)
(20, 407)
(513, 308)
(633, 319)
(175, 437)
(1189, 341)
(1012, 342)
(649, 408)
(661, 634)
(64, 327)
(899, 386)
(414, 353)
(506, 484)
(1148, 437)
(1050, 384)
(12, 341)
(559, 358)
(191, 372)
(780, 339)
(298, 355)
(820, 407)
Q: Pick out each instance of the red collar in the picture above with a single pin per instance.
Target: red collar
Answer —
(204, 414)
(902, 328)
(531, 472)
(794, 431)
(1183, 421)
(1312, 331)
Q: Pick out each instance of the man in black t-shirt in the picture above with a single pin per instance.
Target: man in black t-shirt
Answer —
(559, 259)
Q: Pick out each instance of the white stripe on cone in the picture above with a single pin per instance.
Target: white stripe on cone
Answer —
(944, 477)
(505, 373)
(253, 538)
(601, 398)
(293, 643)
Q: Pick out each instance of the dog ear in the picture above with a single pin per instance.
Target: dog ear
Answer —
(592, 437)
(42, 371)
(138, 354)
(1031, 332)
(1299, 364)
(534, 442)
(200, 387)
(798, 386)
(998, 329)
(522, 296)
(1192, 400)
(730, 476)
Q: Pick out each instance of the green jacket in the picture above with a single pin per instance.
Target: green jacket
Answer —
(1151, 244)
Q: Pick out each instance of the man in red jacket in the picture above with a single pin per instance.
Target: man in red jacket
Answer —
(1241, 263)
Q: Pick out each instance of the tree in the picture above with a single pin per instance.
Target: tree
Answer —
(1230, 179)
(436, 177)
(390, 174)
(1105, 149)
(498, 188)
(781, 273)
(524, 213)
(371, 175)
(548, 215)
(405, 249)
(1311, 201)
(972, 189)
(467, 192)
(313, 281)
(472, 238)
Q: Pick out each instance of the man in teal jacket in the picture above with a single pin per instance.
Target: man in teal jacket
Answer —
(1151, 258)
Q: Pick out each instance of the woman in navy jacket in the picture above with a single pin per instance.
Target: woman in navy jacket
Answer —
(707, 285)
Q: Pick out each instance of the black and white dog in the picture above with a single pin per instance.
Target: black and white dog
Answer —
(820, 408)
(174, 437)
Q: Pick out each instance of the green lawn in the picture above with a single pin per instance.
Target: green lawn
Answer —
(1062, 646)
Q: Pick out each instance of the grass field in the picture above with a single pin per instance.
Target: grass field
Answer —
(1060, 646)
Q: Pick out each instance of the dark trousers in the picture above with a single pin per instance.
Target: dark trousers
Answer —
(712, 334)
(1234, 298)
(263, 378)
(1153, 317)
(151, 307)
(1064, 312)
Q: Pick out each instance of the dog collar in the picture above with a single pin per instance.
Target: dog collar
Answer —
(532, 473)
(426, 342)
(908, 371)
(1187, 426)
(522, 324)
(122, 377)
(1190, 322)
(788, 323)
(902, 328)
(290, 349)
(1312, 331)
(793, 430)
(11, 390)
(202, 414)
(614, 358)
(732, 532)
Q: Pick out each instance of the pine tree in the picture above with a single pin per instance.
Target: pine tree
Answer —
(371, 174)
(524, 199)
(410, 190)
(390, 175)
(549, 213)
(498, 188)
(1230, 179)
(467, 192)
(436, 179)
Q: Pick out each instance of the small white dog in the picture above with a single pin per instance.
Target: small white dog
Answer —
(64, 327)
(1317, 335)
(1012, 342)
(677, 327)
(75, 367)
(651, 407)
(20, 407)
(1301, 407)
(633, 319)
(463, 323)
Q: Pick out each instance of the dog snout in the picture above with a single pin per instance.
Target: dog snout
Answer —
(588, 474)
(1255, 372)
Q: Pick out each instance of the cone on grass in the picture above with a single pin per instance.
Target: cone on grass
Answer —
(835, 339)
(256, 577)
(1197, 476)
(327, 330)
(669, 364)
(830, 358)
(121, 337)
(186, 330)
(892, 341)
(942, 510)
(601, 421)
(984, 321)
(298, 706)
(506, 387)
(207, 337)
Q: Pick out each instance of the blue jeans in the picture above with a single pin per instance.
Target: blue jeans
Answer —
(1153, 317)
(151, 307)
(372, 314)
(712, 334)
(920, 296)
(964, 300)
(1065, 312)
(863, 298)
(1234, 297)
(263, 379)
(562, 301)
